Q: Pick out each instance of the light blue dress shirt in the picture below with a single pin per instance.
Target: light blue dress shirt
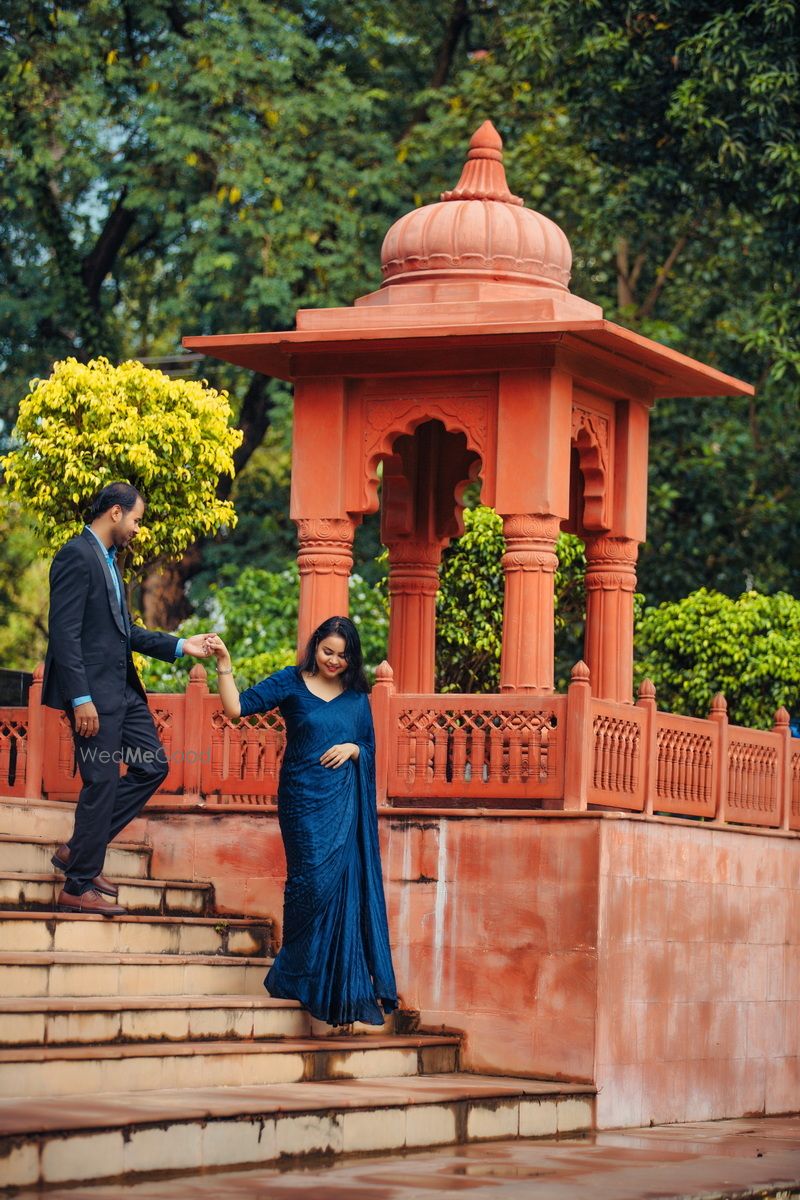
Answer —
(111, 556)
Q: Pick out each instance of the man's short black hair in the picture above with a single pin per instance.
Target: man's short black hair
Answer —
(121, 493)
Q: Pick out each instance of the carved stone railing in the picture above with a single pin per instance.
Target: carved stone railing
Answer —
(571, 752)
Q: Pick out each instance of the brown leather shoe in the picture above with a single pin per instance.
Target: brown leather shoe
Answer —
(60, 861)
(89, 902)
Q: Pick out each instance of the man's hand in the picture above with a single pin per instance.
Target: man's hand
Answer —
(338, 755)
(87, 722)
(197, 646)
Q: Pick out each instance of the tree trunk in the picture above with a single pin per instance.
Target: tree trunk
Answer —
(163, 599)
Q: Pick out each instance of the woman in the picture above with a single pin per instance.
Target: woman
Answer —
(335, 958)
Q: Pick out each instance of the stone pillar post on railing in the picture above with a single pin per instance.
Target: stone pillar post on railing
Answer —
(649, 760)
(382, 694)
(193, 730)
(718, 714)
(781, 727)
(34, 762)
(578, 742)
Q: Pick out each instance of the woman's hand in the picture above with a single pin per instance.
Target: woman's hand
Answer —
(216, 646)
(337, 755)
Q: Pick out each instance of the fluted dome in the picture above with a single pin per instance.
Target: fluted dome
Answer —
(479, 230)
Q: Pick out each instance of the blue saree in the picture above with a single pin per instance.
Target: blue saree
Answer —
(335, 957)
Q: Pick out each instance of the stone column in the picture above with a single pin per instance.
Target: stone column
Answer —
(529, 564)
(413, 583)
(325, 559)
(610, 585)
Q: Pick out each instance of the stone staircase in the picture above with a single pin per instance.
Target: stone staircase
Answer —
(146, 1044)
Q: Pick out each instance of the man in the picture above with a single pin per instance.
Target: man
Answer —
(89, 673)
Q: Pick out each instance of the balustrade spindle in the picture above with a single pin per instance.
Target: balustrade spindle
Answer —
(459, 753)
(440, 754)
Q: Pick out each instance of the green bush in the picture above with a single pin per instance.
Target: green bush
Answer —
(749, 649)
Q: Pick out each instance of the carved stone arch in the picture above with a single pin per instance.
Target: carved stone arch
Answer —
(388, 418)
(591, 440)
(449, 465)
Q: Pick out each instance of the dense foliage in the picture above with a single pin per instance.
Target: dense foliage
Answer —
(747, 648)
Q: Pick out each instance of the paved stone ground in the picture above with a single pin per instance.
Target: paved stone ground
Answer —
(710, 1160)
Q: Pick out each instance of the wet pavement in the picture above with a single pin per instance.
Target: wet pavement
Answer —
(708, 1160)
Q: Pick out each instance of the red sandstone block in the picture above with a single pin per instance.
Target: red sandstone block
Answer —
(767, 915)
(495, 1042)
(651, 1032)
(173, 847)
(776, 984)
(765, 1030)
(564, 1047)
(567, 982)
(730, 913)
(577, 916)
(789, 1043)
(492, 980)
(782, 1084)
(264, 897)
(616, 1035)
(616, 901)
(706, 1081)
(663, 1093)
(240, 845)
(728, 1032)
(689, 911)
(650, 908)
(619, 1097)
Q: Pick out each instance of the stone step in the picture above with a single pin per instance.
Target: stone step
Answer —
(160, 897)
(90, 1070)
(36, 818)
(50, 1141)
(50, 973)
(28, 932)
(33, 854)
(100, 1021)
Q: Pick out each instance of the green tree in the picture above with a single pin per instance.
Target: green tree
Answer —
(748, 648)
(91, 423)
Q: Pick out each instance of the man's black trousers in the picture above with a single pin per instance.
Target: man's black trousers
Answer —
(108, 803)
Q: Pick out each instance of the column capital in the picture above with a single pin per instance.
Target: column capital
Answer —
(324, 530)
(530, 542)
(604, 547)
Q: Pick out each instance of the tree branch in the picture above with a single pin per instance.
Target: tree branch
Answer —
(456, 25)
(97, 264)
(651, 299)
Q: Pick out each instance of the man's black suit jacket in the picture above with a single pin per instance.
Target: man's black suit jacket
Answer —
(91, 637)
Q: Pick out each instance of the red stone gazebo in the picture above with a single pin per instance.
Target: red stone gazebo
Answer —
(474, 359)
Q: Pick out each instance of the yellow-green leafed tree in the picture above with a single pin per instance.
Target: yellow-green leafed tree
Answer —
(91, 423)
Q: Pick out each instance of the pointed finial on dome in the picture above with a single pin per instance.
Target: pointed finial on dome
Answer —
(484, 176)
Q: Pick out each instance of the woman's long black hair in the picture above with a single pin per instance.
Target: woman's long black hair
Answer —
(353, 676)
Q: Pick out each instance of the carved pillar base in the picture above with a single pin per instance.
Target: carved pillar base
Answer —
(325, 559)
(529, 564)
(413, 583)
(610, 585)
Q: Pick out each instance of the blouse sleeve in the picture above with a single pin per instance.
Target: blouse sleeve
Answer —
(267, 694)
